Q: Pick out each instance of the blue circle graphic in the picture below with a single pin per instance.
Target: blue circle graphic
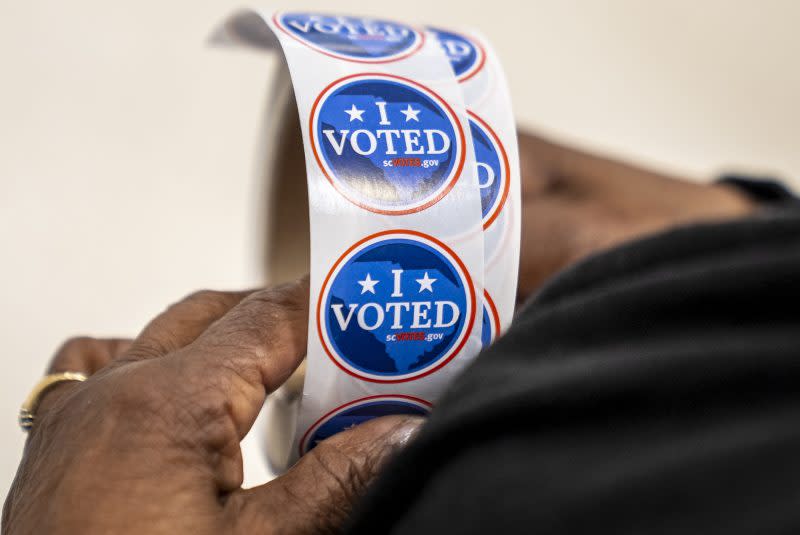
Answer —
(354, 38)
(491, 169)
(394, 309)
(387, 145)
(358, 414)
(461, 52)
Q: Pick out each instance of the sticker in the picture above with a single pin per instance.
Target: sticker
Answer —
(386, 143)
(492, 168)
(466, 56)
(413, 208)
(491, 321)
(398, 305)
(359, 411)
(359, 39)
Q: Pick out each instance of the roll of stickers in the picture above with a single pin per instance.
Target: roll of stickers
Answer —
(413, 194)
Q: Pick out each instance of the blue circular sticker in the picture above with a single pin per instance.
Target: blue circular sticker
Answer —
(386, 143)
(466, 57)
(360, 411)
(358, 39)
(395, 307)
(493, 168)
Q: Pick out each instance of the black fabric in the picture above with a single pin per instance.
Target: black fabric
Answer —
(764, 189)
(652, 389)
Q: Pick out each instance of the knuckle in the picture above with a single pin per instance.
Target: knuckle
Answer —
(291, 296)
(264, 315)
(210, 300)
(340, 481)
(145, 348)
(208, 393)
(201, 296)
(282, 303)
(148, 394)
(340, 471)
(136, 388)
(203, 404)
(285, 301)
(211, 417)
(140, 395)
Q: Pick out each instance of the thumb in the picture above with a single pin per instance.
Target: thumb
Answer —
(317, 494)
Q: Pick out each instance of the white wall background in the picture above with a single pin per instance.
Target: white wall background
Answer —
(127, 146)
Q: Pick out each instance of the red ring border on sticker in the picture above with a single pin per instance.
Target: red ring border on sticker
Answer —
(379, 302)
(340, 151)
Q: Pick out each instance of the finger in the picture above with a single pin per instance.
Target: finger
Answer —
(250, 351)
(87, 355)
(318, 493)
(80, 354)
(181, 323)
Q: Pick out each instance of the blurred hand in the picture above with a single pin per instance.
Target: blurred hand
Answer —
(575, 204)
(150, 442)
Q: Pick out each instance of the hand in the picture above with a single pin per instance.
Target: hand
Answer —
(150, 442)
(575, 204)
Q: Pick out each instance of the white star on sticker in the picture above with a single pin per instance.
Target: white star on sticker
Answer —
(355, 113)
(410, 113)
(368, 285)
(426, 283)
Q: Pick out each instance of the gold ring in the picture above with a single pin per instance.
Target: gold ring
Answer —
(27, 412)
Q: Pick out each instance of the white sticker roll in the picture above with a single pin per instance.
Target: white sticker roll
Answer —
(413, 194)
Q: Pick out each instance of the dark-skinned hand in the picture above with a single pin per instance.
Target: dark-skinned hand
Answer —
(150, 443)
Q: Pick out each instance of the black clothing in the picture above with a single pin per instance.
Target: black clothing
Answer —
(651, 389)
(765, 190)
